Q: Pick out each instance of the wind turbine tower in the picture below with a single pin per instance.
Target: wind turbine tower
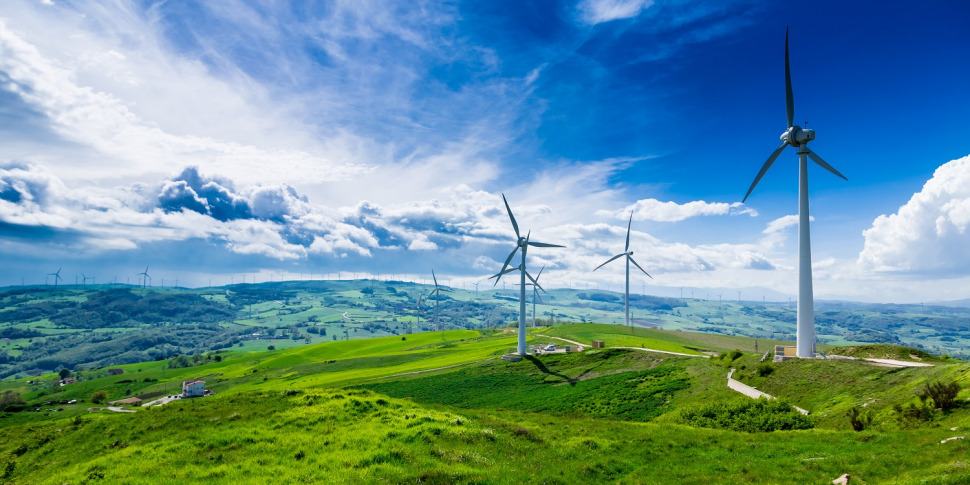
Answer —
(523, 243)
(437, 296)
(798, 138)
(56, 275)
(629, 259)
(144, 280)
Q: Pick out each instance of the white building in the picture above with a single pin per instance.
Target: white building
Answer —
(193, 388)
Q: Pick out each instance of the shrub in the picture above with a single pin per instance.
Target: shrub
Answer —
(99, 396)
(748, 415)
(860, 420)
(271, 347)
(10, 399)
(764, 369)
(944, 395)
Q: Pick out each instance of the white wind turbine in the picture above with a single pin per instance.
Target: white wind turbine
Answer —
(535, 294)
(437, 293)
(523, 243)
(799, 138)
(629, 259)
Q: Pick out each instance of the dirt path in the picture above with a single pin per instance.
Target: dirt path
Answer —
(751, 392)
(431, 370)
(884, 362)
(119, 410)
(644, 349)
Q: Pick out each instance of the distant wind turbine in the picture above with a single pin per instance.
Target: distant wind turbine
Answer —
(523, 243)
(437, 296)
(56, 275)
(798, 138)
(535, 294)
(629, 259)
(145, 276)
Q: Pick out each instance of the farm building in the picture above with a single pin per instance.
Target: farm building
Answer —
(193, 388)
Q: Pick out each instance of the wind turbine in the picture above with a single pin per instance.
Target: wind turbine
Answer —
(437, 294)
(798, 138)
(56, 275)
(146, 278)
(524, 243)
(85, 278)
(629, 259)
(535, 294)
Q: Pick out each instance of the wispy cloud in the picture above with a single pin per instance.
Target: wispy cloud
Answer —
(669, 211)
(598, 11)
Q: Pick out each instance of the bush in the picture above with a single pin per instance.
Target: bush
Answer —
(860, 420)
(271, 347)
(99, 397)
(764, 369)
(748, 415)
(944, 395)
(10, 399)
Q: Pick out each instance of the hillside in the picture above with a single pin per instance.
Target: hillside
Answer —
(435, 408)
(90, 326)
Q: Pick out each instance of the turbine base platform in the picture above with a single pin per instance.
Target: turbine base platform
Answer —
(512, 357)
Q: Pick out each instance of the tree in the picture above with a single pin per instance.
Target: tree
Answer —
(271, 347)
(65, 373)
(943, 394)
(10, 398)
(99, 396)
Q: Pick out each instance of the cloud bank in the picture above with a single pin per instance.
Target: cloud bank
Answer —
(929, 234)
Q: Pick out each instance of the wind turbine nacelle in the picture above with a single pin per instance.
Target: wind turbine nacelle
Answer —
(796, 136)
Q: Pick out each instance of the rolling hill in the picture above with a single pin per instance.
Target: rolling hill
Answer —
(444, 408)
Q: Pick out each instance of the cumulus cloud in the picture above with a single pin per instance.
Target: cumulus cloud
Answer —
(928, 234)
(655, 210)
(594, 12)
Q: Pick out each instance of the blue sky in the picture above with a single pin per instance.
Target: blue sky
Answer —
(278, 139)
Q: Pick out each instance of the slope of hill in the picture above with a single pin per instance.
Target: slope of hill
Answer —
(446, 410)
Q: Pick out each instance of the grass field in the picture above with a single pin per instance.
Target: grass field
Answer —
(427, 409)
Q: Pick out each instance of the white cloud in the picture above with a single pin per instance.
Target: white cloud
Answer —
(655, 210)
(598, 11)
(928, 234)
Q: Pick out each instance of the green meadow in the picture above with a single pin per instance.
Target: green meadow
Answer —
(444, 408)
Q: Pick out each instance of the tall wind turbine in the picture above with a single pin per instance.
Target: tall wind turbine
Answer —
(144, 281)
(437, 294)
(523, 243)
(629, 259)
(798, 138)
(535, 294)
(56, 275)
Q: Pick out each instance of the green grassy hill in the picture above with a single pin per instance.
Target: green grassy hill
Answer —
(445, 409)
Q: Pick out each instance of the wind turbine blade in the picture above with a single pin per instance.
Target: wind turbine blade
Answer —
(539, 275)
(544, 245)
(434, 278)
(506, 265)
(514, 225)
(789, 97)
(534, 282)
(498, 276)
(538, 297)
(764, 169)
(609, 261)
(638, 266)
(628, 226)
(824, 165)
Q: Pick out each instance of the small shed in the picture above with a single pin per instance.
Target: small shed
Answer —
(193, 388)
(598, 344)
